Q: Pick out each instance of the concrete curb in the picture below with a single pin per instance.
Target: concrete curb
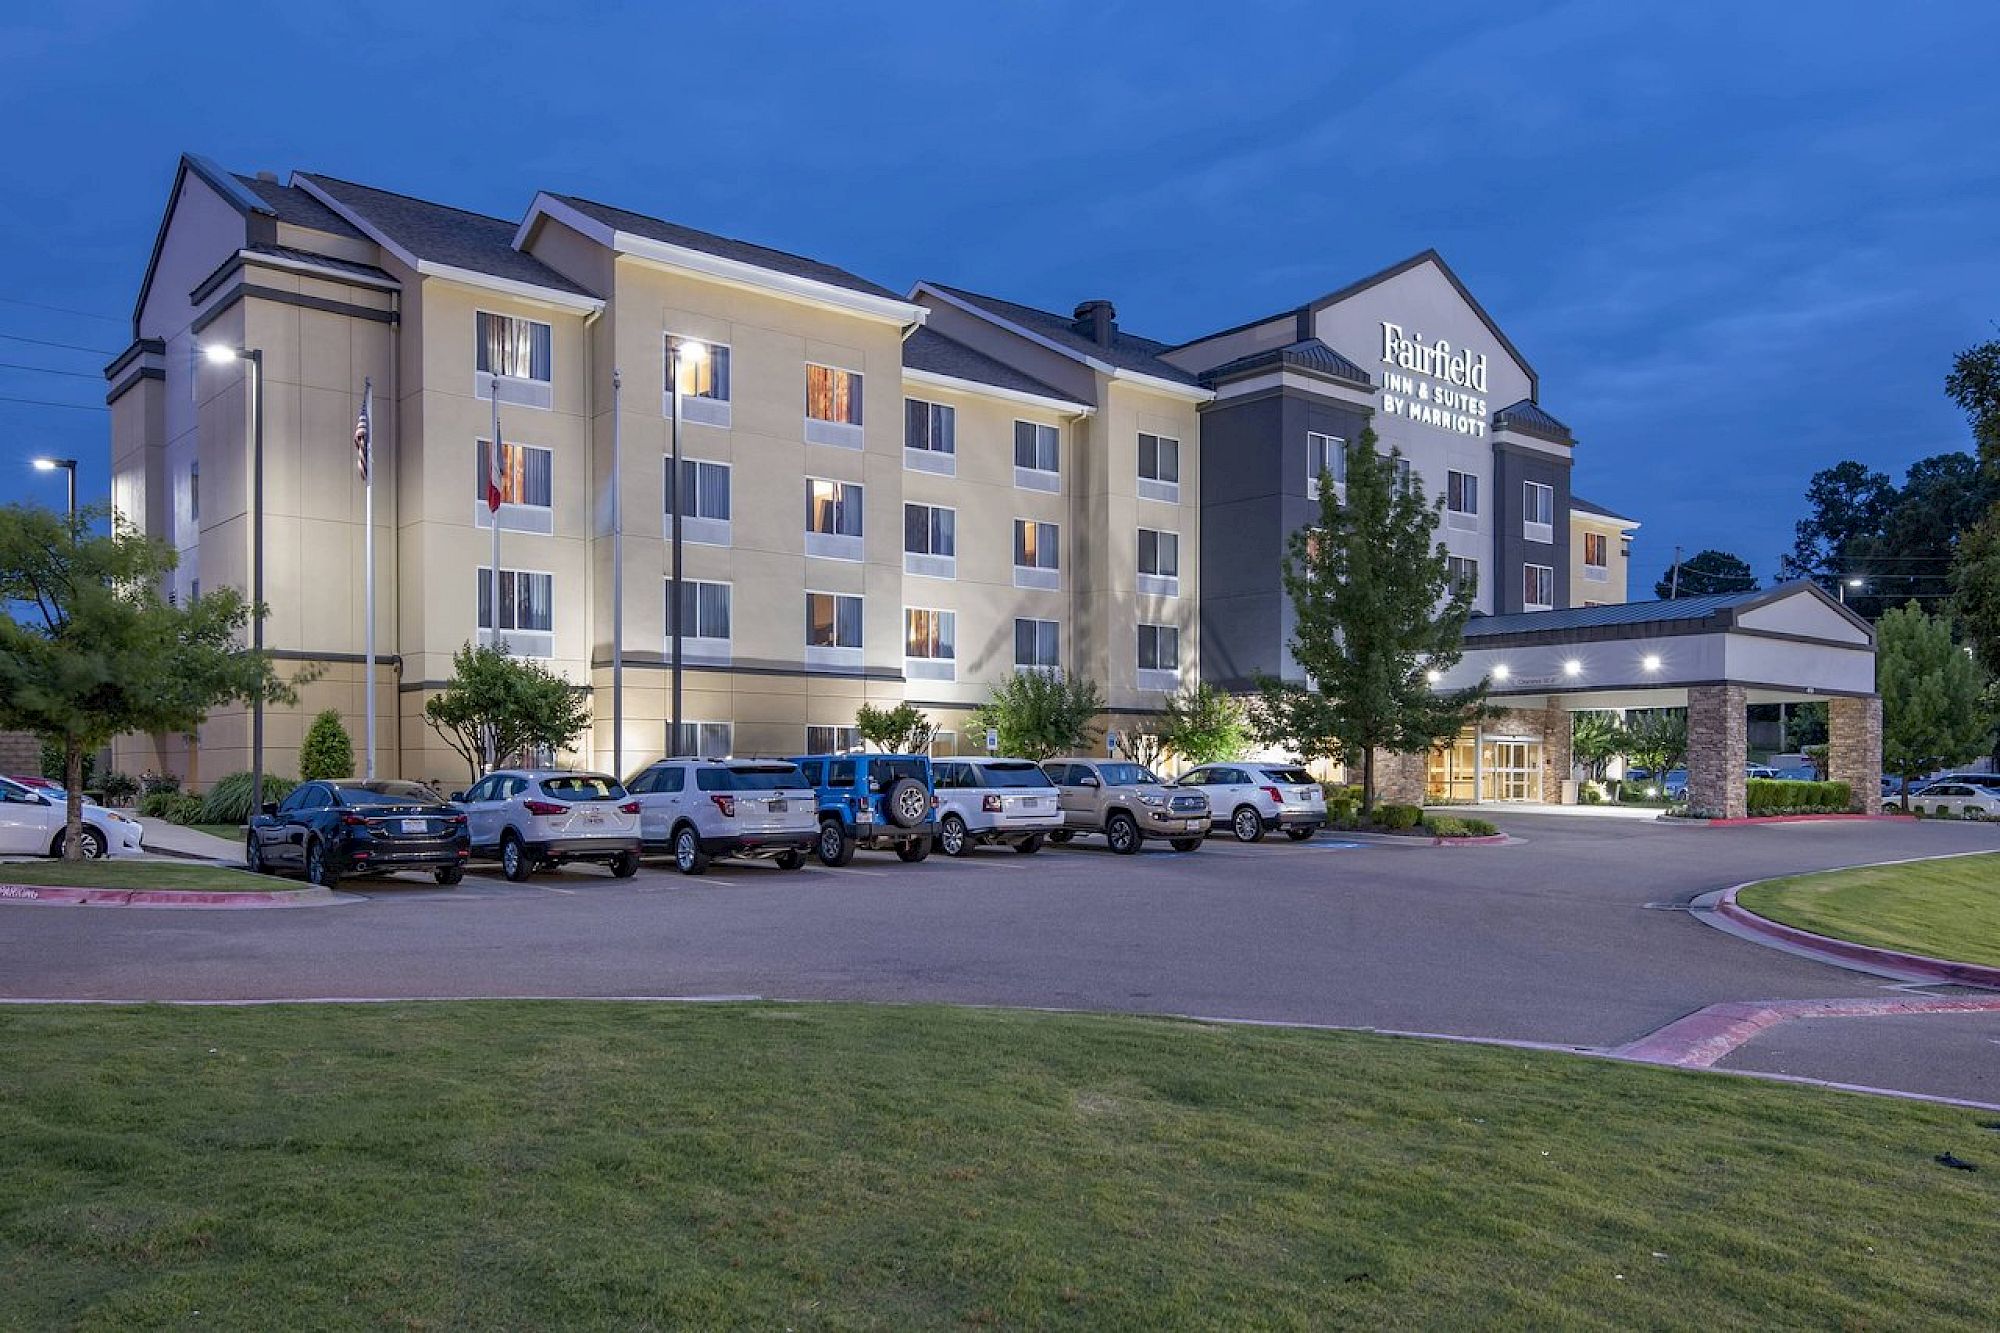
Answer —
(1846, 952)
(1797, 819)
(1707, 1035)
(49, 895)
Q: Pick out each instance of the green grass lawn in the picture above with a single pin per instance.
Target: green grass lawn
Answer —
(1946, 909)
(229, 832)
(531, 1165)
(123, 874)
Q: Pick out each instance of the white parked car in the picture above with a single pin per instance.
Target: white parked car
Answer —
(31, 823)
(985, 800)
(531, 819)
(1252, 799)
(1957, 798)
(699, 809)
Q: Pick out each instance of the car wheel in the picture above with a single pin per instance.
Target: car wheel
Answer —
(515, 862)
(625, 865)
(913, 851)
(835, 847)
(91, 840)
(448, 875)
(906, 802)
(318, 870)
(253, 856)
(1121, 831)
(1062, 835)
(1029, 845)
(1247, 824)
(688, 858)
(1185, 844)
(952, 838)
(1299, 834)
(789, 860)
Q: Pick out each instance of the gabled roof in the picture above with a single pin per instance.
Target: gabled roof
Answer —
(1128, 351)
(1578, 502)
(232, 191)
(1528, 418)
(928, 350)
(743, 252)
(1309, 354)
(1711, 611)
(288, 203)
(419, 230)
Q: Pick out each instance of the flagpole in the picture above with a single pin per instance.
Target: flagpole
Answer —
(617, 587)
(494, 465)
(368, 556)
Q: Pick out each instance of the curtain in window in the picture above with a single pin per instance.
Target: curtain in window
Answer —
(929, 530)
(833, 622)
(707, 377)
(833, 395)
(930, 426)
(704, 610)
(1159, 552)
(707, 487)
(833, 507)
(1159, 648)
(1037, 447)
(1034, 544)
(1036, 643)
(930, 634)
(519, 348)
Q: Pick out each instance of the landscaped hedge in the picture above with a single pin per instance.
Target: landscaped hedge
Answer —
(1454, 826)
(1398, 817)
(1784, 796)
(228, 801)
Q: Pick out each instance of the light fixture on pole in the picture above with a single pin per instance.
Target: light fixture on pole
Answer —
(683, 354)
(1845, 584)
(67, 465)
(221, 354)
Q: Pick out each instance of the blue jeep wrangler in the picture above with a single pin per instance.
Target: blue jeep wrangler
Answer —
(879, 801)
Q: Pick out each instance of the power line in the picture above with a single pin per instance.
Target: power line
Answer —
(51, 370)
(44, 342)
(61, 309)
(44, 402)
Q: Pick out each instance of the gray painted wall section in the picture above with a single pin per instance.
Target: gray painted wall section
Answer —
(1513, 467)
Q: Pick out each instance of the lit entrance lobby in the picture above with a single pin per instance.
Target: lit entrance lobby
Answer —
(1713, 655)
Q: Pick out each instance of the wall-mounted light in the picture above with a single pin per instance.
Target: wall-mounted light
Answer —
(1651, 662)
(1572, 667)
(1501, 672)
(1433, 675)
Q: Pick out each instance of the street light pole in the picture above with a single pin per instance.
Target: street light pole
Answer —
(617, 582)
(67, 465)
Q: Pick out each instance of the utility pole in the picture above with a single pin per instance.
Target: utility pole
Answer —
(1674, 580)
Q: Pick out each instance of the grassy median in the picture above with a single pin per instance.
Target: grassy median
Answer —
(1947, 908)
(540, 1165)
(123, 874)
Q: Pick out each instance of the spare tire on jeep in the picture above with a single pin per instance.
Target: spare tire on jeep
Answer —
(906, 803)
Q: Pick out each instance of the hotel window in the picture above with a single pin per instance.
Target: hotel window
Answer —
(704, 619)
(527, 487)
(1400, 466)
(1461, 500)
(833, 406)
(1037, 562)
(1538, 512)
(704, 381)
(1325, 453)
(705, 740)
(1159, 468)
(930, 541)
(930, 437)
(832, 740)
(833, 519)
(929, 644)
(833, 630)
(527, 610)
(1159, 656)
(704, 492)
(194, 491)
(1037, 645)
(1596, 553)
(1463, 573)
(1037, 456)
(515, 353)
(1159, 563)
(1538, 588)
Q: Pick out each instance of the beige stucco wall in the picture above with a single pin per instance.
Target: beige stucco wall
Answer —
(1614, 587)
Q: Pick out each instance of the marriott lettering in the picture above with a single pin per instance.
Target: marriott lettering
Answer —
(1449, 393)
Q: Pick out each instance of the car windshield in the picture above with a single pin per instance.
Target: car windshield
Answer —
(584, 787)
(1126, 775)
(886, 771)
(387, 793)
(1290, 775)
(1013, 773)
(760, 777)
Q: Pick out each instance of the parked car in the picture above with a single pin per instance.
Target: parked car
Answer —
(32, 823)
(1961, 799)
(879, 801)
(699, 809)
(1251, 800)
(983, 800)
(1979, 779)
(328, 830)
(533, 819)
(1759, 771)
(1127, 803)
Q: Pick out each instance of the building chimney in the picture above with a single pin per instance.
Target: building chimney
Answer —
(1097, 321)
(270, 176)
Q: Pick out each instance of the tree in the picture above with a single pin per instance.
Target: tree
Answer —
(1595, 739)
(1375, 610)
(326, 752)
(900, 730)
(1932, 710)
(496, 706)
(1657, 740)
(1974, 384)
(1143, 748)
(97, 652)
(1042, 714)
(1205, 726)
(1707, 572)
(1846, 501)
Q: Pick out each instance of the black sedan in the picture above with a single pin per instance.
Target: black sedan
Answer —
(325, 830)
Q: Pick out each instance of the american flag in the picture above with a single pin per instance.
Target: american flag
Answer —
(362, 428)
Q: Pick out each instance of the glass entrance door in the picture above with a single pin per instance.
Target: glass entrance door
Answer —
(1511, 770)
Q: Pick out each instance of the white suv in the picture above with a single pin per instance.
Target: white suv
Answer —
(1252, 799)
(984, 800)
(535, 818)
(698, 809)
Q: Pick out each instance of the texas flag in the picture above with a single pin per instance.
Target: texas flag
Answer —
(493, 478)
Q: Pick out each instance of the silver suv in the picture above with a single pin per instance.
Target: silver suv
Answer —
(994, 800)
(699, 809)
(532, 819)
(1251, 799)
(1127, 803)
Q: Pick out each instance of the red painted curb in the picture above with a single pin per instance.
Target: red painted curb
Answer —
(1934, 969)
(1483, 840)
(1799, 819)
(1707, 1035)
(57, 896)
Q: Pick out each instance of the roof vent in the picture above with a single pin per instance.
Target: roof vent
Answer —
(1097, 321)
(270, 176)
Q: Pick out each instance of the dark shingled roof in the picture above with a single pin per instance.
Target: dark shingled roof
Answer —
(295, 206)
(1528, 418)
(724, 247)
(323, 261)
(927, 349)
(1309, 355)
(1618, 613)
(1128, 351)
(446, 235)
(1578, 502)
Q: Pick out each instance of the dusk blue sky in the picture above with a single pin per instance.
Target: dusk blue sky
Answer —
(1738, 242)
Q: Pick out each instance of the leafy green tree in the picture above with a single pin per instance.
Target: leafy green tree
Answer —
(1974, 384)
(54, 762)
(95, 652)
(1707, 572)
(1932, 710)
(1042, 714)
(1374, 610)
(1805, 726)
(1595, 739)
(1844, 502)
(1203, 725)
(1141, 747)
(326, 752)
(496, 706)
(1657, 740)
(900, 730)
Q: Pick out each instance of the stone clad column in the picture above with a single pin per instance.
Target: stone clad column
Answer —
(1556, 752)
(1854, 748)
(1399, 778)
(1718, 748)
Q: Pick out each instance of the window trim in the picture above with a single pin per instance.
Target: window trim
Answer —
(1331, 447)
(696, 647)
(514, 516)
(542, 639)
(1452, 557)
(1045, 577)
(848, 546)
(1528, 567)
(1533, 529)
(821, 430)
(516, 390)
(1457, 482)
(1156, 677)
(1158, 488)
(930, 564)
(1598, 571)
(1037, 478)
(840, 730)
(836, 656)
(1156, 583)
(927, 457)
(695, 752)
(700, 409)
(697, 529)
(917, 666)
(1054, 624)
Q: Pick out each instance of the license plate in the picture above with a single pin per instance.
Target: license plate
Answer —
(1195, 823)
(416, 826)
(1307, 793)
(593, 816)
(779, 807)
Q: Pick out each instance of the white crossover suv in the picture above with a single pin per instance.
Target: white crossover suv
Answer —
(32, 823)
(531, 819)
(699, 809)
(983, 800)
(1252, 799)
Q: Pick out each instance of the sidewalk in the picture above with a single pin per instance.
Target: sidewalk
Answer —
(190, 844)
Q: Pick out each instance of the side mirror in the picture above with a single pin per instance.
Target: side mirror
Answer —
(457, 796)
(1089, 780)
(270, 807)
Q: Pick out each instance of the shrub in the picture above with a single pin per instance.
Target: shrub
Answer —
(1446, 826)
(228, 801)
(175, 807)
(326, 752)
(1588, 794)
(1481, 828)
(1340, 810)
(1396, 818)
(1784, 796)
(120, 788)
(150, 782)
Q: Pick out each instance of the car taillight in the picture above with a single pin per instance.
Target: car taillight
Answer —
(726, 804)
(630, 807)
(458, 819)
(990, 803)
(934, 801)
(544, 808)
(353, 819)
(1275, 794)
